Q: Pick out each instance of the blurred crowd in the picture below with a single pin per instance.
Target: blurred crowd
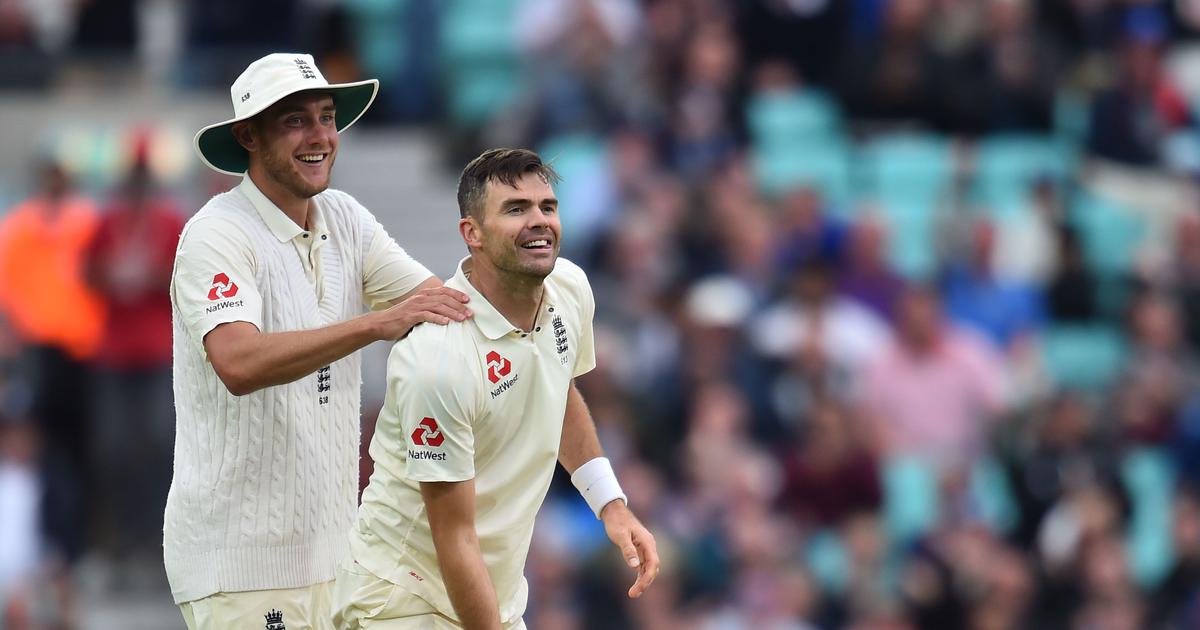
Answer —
(86, 411)
(898, 301)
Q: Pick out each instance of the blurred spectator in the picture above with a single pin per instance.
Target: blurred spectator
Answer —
(129, 265)
(1177, 600)
(1027, 242)
(800, 33)
(1003, 310)
(20, 526)
(1018, 67)
(963, 577)
(812, 317)
(589, 65)
(704, 119)
(895, 77)
(1161, 372)
(931, 355)
(106, 27)
(1186, 274)
(1064, 452)
(818, 341)
(222, 34)
(806, 231)
(1071, 294)
(30, 34)
(866, 276)
(58, 320)
(829, 475)
(1130, 121)
(16, 29)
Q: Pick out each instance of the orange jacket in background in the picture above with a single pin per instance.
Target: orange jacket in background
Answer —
(43, 291)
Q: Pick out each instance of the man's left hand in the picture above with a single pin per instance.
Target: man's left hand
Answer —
(635, 542)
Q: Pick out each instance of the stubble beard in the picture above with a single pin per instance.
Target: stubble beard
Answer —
(508, 261)
(285, 173)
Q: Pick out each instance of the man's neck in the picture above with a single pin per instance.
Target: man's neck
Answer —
(516, 297)
(294, 207)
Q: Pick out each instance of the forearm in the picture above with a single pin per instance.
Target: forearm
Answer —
(266, 359)
(579, 443)
(467, 581)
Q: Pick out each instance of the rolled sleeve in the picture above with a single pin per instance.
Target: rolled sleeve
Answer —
(388, 271)
(213, 281)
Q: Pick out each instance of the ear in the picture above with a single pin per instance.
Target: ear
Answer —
(470, 231)
(245, 136)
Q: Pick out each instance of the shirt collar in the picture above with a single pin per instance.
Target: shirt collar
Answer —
(280, 225)
(490, 321)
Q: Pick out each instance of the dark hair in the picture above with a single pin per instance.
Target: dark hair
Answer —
(497, 165)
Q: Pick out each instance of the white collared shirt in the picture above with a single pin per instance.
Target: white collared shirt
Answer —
(479, 399)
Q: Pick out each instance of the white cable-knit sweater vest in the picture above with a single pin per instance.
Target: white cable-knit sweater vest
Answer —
(265, 484)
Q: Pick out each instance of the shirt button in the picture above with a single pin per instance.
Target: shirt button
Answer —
(538, 329)
(324, 237)
(306, 235)
(551, 309)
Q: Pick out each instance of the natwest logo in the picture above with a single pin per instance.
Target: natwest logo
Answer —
(498, 366)
(427, 433)
(222, 287)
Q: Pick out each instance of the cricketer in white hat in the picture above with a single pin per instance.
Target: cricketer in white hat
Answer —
(269, 296)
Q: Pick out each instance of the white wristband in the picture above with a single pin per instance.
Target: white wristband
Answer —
(597, 482)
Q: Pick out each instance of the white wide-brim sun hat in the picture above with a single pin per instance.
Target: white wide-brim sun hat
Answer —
(264, 83)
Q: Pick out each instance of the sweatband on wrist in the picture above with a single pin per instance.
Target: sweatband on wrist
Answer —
(597, 482)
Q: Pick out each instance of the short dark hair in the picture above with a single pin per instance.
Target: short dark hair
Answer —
(497, 165)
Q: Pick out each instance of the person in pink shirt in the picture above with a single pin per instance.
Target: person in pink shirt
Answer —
(932, 392)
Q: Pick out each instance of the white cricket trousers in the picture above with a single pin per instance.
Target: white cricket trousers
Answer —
(363, 601)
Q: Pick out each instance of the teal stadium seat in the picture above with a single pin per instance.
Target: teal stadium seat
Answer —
(827, 560)
(912, 501)
(786, 118)
(910, 498)
(1007, 166)
(909, 176)
(1149, 479)
(992, 496)
(481, 65)
(1111, 233)
(582, 160)
(797, 140)
(380, 51)
(1082, 357)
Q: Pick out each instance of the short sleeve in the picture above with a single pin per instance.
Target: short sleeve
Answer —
(585, 359)
(435, 406)
(388, 271)
(213, 281)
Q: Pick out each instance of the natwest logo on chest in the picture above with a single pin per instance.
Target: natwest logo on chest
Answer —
(498, 366)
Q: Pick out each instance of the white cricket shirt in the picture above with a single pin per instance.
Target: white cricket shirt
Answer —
(478, 399)
(264, 486)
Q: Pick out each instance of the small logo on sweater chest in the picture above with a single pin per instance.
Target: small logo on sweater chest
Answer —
(275, 620)
(324, 384)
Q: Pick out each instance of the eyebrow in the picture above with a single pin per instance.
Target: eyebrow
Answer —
(522, 201)
(300, 109)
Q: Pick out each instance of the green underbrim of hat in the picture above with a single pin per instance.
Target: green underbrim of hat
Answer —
(221, 151)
